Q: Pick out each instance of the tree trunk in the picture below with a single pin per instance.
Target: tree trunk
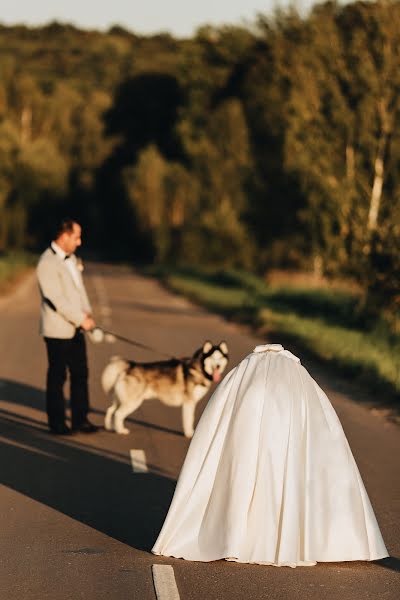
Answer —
(26, 124)
(350, 162)
(376, 194)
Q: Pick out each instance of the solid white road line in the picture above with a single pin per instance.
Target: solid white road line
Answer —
(138, 460)
(164, 582)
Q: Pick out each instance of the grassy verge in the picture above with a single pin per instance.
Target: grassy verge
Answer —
(13, 265)
(326, 323)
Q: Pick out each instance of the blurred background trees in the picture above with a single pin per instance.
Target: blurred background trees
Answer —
(275, 146)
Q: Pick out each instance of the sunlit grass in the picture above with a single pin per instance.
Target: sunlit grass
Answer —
(366, 355)
(327, 323)
(214, 296)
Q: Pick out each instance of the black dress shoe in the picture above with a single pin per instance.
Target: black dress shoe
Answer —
(85, 427)
(60, 430)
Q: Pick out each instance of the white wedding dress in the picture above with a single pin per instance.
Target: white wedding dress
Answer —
(269, 476)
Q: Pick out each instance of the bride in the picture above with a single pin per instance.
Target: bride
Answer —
(269, 476)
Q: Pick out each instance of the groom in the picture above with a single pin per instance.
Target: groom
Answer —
(65, 314)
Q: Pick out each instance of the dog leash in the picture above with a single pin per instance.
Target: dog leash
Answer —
(93, 332)
(129, 341)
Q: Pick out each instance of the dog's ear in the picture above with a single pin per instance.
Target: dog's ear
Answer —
(207, 346)
(224, 347)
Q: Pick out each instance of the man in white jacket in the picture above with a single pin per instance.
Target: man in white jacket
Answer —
(65, 314)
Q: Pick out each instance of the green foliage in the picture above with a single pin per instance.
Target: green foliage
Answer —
(276, 145)
(13, 265)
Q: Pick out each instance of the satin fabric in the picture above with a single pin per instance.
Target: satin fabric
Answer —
(269, 476)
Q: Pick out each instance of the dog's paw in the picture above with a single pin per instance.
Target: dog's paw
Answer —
(123, 431)
(189, 434)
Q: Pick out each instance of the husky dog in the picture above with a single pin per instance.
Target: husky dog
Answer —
(176, 382)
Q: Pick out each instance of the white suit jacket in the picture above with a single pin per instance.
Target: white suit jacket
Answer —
(64, 301)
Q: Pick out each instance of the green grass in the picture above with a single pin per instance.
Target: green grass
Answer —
(12, 266)
(326, 323)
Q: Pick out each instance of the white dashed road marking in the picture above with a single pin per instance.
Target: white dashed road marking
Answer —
(164, 582)
(138, 460)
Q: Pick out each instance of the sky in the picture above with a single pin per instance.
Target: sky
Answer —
(179, 17)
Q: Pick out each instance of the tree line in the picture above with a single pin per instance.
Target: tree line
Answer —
(272, 145)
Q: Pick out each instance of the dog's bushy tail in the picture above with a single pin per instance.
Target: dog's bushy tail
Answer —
(112, 372)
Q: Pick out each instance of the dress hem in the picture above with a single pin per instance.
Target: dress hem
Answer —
(309, 563)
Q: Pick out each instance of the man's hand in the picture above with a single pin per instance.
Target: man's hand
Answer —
(88, 323)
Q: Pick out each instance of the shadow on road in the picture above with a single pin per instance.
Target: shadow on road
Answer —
(94, 487)
(146, 424)
(392, 563)
(22, 394)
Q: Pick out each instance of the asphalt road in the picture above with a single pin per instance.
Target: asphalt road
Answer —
(77, 522)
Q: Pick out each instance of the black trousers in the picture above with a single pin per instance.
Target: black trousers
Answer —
(66, 355)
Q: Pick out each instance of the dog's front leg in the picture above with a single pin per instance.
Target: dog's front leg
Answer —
(188, 410)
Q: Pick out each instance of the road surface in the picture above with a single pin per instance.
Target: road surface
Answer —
(77, 520)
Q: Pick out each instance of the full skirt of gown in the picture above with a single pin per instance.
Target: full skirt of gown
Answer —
(269, 476)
